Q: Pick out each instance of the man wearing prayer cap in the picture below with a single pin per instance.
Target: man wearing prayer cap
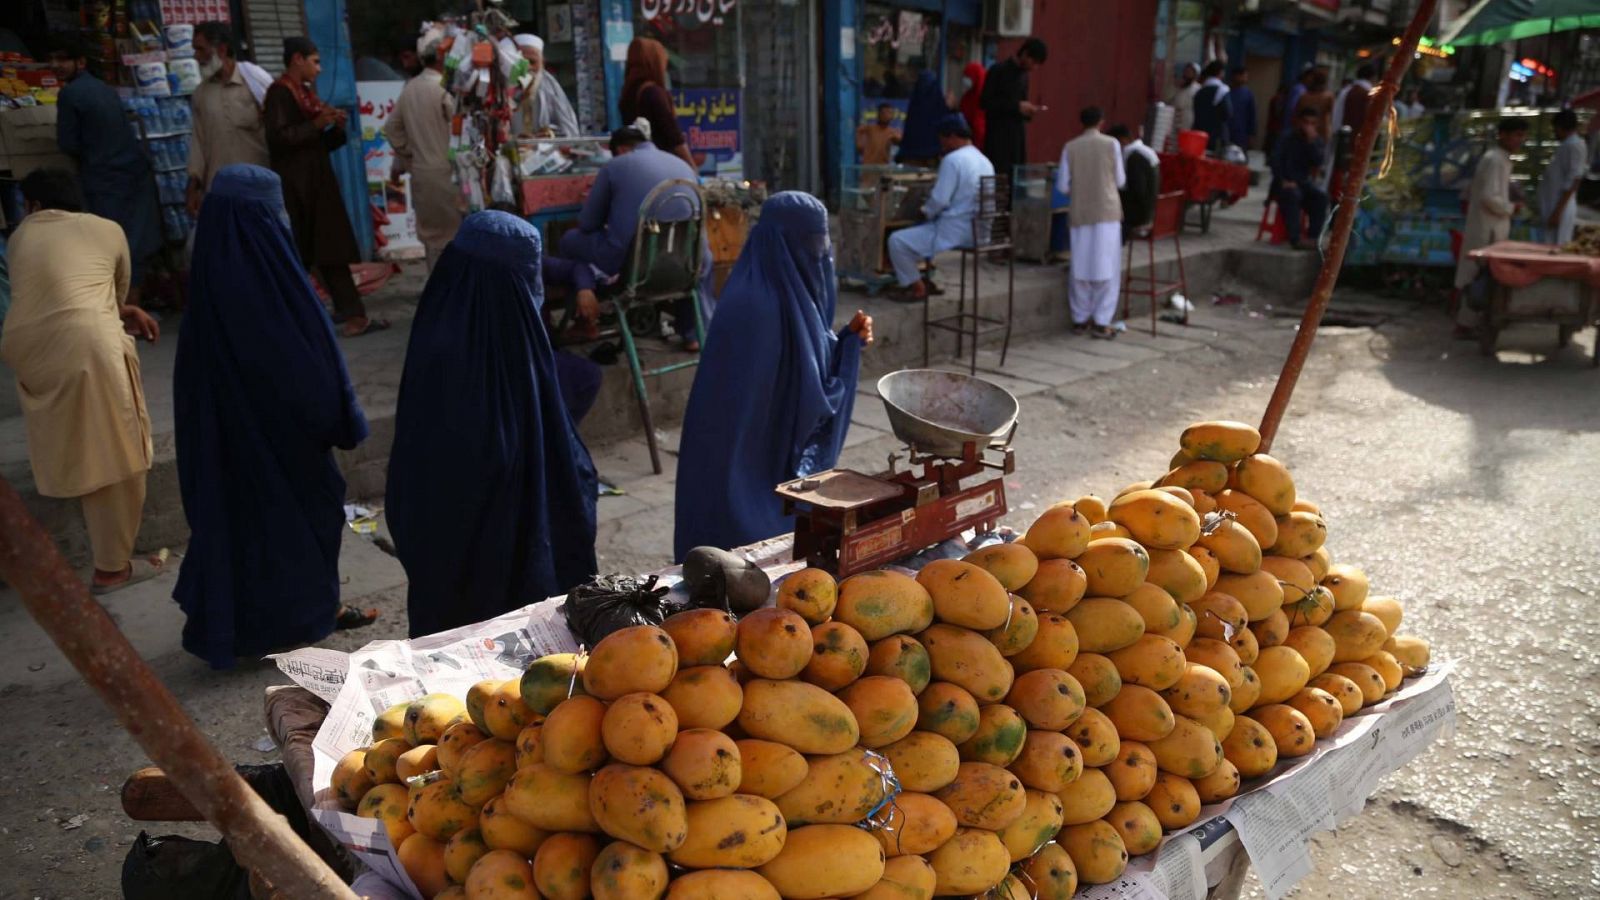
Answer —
(545, 110)
(419, 130)
(949, 209)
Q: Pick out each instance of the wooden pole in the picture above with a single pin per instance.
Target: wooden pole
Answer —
(1343, 220)
(259, 838)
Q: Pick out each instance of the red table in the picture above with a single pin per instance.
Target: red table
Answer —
(1204, 181)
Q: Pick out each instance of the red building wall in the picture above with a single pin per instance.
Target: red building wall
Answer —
(1100, 54)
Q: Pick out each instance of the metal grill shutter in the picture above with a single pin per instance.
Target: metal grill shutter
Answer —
(266, 24)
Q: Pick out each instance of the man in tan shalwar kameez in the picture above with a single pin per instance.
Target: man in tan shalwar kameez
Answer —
(67, 339)
(1489, 209)
(419, 131)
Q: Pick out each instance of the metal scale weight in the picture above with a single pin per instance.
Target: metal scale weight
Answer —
(955, 428)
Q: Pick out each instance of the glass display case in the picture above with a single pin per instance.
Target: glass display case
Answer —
(874, 202)
(1038, 213)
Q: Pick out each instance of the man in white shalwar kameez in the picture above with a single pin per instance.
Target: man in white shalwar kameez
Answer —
(1489, 209)
(1558, 186)
(545, 110)
(949, 210)
(1091, 172)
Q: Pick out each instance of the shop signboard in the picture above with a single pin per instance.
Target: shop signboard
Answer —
(709, 118)
(398, 236)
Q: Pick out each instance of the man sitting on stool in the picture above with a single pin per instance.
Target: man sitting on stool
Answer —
(1296, 164)
(949, 210)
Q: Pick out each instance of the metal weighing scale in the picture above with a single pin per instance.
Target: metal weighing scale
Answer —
(955, 427)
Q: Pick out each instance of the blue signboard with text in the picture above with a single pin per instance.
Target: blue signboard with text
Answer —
(709, 118)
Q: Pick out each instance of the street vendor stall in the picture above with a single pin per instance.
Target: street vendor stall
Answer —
(1204, 182)
(875, 202)
(1538, 283)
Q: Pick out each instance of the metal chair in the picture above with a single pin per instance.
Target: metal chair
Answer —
(663, 266)
(991, 234)
(1166, 222)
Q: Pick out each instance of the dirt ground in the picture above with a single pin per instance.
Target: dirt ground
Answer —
(1462, 485)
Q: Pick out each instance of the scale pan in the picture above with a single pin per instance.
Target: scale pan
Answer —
(936, 412)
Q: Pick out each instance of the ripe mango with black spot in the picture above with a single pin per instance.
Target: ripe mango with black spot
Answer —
(1222, 440)
(501, 875)
(1013, 564)
(1190, 750)
(1091, 507)
(1290, 729)
(561, 867)
(948, 710)
(741, 831)
(1048, 699)
(1056, 587)
(1218, 657)
(984, 796)
(438, 811)
(1037, 826)
(839, 789)
(1386, 666)
(1174, 800)
(1251, 748)
(719, 884)
(880, 603)
(464, 848)
(705, 637)
(1348, 585)
(924, 761)
(1052, 873)
(811, 593)
(904, 878)
(1139, 714)
(1198, 692)
(704, 764)
(1062, 532)
(639, 805)
(427, 717)
(1343, 689)
(1133, 772)
(969, 660)
(838, 656)
(1410, 651)
(900, 656)
(1021, 627)
(1251, 515)
(1097, 851)
(1098, 676)
(550, 799)
(1273, 630)
(973, 861)
(381, 760)
(625, 872)
(704, 697)
(391, 723)
(965, 595)
(1267, 480)
(1219, 785)
(799, 715)
(628, 660)
(1138, 826)
(1049, 761)
(1356, 635)
(774, 643)
(1299, 534)
(350, 780)
(1153, 661)
(998, 740)
(820, 861)
(1054, 645)
(1095, 736)
(1114, 566)
(1320, 708)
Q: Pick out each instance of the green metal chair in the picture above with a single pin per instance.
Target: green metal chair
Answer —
(663, 266)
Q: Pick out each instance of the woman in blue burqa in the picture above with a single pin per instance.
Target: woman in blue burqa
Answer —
(776, 384)
(262, 397)
(491, 496)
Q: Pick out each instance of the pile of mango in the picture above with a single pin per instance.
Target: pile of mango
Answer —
(1006, 726)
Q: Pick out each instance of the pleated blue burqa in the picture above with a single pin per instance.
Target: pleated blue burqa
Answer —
(776, 384)
(262, 396)
(491, 496)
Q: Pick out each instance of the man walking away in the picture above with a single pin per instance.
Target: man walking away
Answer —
(1297, 166)
(419, 131)
(950, 208)
(1489, 209)
(1007, 109)
(1213, 109)
(113, 170)
(1242, 120)
(227, 111)
(67, 338)
(1142, 183)
(1091, 173)
(1558, 210)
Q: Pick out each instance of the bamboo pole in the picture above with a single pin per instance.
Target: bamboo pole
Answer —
(259, 838)
(1343, 221)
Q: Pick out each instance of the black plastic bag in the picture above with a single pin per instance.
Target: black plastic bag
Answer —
(613, 602)
(170, 867)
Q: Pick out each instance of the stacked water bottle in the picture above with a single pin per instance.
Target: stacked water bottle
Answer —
(159, 116)
(175, 223)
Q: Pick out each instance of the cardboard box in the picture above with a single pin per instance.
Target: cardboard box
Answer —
(28, 131)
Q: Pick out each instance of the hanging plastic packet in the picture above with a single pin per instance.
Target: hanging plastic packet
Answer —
(512, 66)
(503, 188)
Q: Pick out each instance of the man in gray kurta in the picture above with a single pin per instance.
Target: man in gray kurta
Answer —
(419, 131)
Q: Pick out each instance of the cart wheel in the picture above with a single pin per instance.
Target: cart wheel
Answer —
(1488, 336)
(1563, 336)
(644, 320)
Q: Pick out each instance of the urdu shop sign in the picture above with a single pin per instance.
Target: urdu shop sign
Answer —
(709, 118)
(708, 11)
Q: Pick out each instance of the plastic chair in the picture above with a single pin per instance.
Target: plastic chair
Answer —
(991, 234)
(663, 266)
(1167, 222)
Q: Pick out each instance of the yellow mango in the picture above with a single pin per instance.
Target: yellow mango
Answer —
(1054, 645)
(1244, 696)
(1096, 737)
(1283, 672)
(900, 656)
(506, 714)
(1056, 587)
(1091, 507)
(1051, 873)
(1410, 651)
(1244, 643)
(1152, 661)
(1139, 714)
(1348, 585)
(1219, 616)
(438, 811)
(1176, 572)
(1291, 731)
(704, 697)
(904, 878)
(1087, 797)
(948, 710)
(1184, 632)
(1218, 722)
(1060, 533)
(768, 769)
(502, 875)
(1316, 608)
(1249, 513)
(1221, 440)
(1200, 475)
(880, 603)
(839, 789)
(1314, 645)
(423, 859)
(838, 656)
(636, 804)
(1267, 480)
(965, 595)
(1019, 630)
(1047, 699)
(1259, 592)
(799, 715)
(1386, 666)
(706, 637)
(350, 781)
(1037, 826)
(1299, 534)
(552, 679)
(924, 761)
(1049, 761)
(1388, 611)
(1235, 548)
(628, 660)
(740, 831)
(1098, 676)
(427, 717)
(1319, 563)
(1174, 801)
(1157, 519)
(810, 593)
(500, 830)
(1104, 624)
(1107, 530)
(1096, 849)
(1293, 574)
(550, 799)
(1271, 631)
(1133, 772)
(572, 735)
(1190, 750)
(637, 729)
(464, 848)
(625, 872)
(1155, 606)
(819, 861)
(1198, 692)
(704, 764)
(1208, 564)
(460, 736)
(1356, 635)
(1344, 689)
(719, 884)
(484, 769)
(391, 723)
(774, 643)
(1013, 564)
(917, 824)
(973, 861)
(477, 700)
(561, 867)
(1114, 566)
(1251, 748)
(884, 707)
(381, 759)
(967, 659)
(983, 796)
(998, 740)
(1219, 785)
(1320, 708)
(1138, 826)
(1219, 657)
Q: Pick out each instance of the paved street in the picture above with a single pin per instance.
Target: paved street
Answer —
(1462, 485)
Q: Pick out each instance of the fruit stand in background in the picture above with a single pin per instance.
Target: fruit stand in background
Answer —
(1204, 181)
(1093, 705)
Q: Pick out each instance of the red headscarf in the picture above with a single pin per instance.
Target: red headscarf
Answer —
(647, 64)
(971, 108)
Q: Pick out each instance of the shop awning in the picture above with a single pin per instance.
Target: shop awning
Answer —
(1496, 21)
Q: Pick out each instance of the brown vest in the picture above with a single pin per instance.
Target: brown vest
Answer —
(1092, 160)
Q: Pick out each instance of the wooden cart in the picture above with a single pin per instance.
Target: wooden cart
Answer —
(1538, 283)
